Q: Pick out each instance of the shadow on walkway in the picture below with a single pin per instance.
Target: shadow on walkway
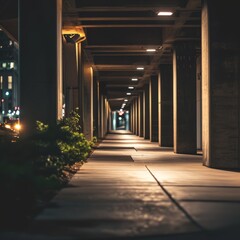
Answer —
(133, 189)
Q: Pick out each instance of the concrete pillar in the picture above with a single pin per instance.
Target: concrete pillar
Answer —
(153, 103)
(131, 117)
(220, 84)
(95, 106)
(102, 105)
(136, 116)
(87, 99)
(100, 111)
(184, 93)
(140, 115)
(199, 103)
(40, 42)
(70, 76)
(146, 128)
(165, 106)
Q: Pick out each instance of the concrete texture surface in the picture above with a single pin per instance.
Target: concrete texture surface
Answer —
(133, 189)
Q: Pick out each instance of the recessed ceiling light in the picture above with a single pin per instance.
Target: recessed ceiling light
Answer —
(125, 100)
(134, 79)
(130, 87)
(163, 13)
(151, 50)
(128, 93)
(140, 68)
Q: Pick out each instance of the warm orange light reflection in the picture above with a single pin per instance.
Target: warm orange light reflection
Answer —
(74, 30)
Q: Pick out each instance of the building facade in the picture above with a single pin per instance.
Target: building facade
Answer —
(9, 81)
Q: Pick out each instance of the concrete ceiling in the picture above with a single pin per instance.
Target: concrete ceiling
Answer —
(118, 34)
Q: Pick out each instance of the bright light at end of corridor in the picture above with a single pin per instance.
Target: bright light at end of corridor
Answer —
(162, 13)
(151, 50)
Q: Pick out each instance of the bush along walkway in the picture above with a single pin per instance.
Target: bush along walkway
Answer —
(33, 170)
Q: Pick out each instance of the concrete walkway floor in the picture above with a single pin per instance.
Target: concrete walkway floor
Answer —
(133, 189)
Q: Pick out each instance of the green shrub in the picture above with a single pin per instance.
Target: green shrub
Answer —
(31, 170)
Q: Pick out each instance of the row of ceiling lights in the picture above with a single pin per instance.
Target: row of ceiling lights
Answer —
(140, 68)
(130, 88)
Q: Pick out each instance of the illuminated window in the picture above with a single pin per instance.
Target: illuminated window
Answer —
(11, 65)
(10, 82)
(1, 82)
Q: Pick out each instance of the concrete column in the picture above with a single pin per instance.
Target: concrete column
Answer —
(70, 76)
(40, 42)
(140, 114)
(220, 84)
(95, 106)
(184, 94)
(165, 106)
(87, 100)
(146, 129)
(136, 116)
(102, 116)
(199, 103)
(80, 66)
(153, 103)
(131, 117)
(100, 111)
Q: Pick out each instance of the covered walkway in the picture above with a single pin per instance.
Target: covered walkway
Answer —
(131, 188)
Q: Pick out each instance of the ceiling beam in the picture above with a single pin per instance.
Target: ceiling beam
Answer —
(134, 25)
(165, 18)
(129, 8)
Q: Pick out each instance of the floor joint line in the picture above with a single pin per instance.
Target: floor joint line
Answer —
(175, 202)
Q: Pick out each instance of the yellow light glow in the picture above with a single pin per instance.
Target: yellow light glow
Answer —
(74, 30)
(7, 126)
(151, 50)
(165, 14)
(17, 127)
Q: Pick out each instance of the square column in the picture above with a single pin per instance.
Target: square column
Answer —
(140, 115)
(40, 42)
(153, 108)
(87, 99)
(136, 116)
(146, 129)
(220, 84)
(165, 105)
(70, 76)
(184, 95)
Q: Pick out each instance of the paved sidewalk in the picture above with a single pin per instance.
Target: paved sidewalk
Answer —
(133, 189)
